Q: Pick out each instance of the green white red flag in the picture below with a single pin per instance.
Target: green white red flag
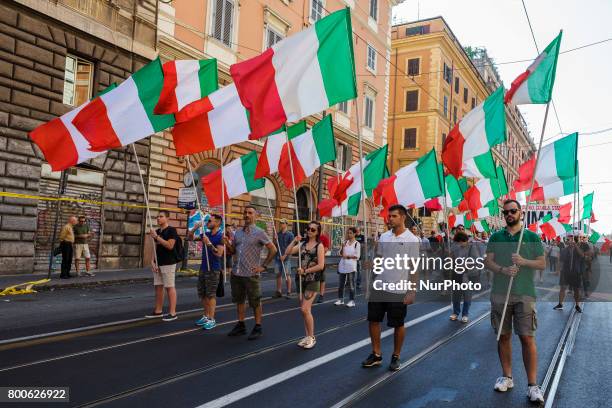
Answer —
(125, 114)
(270, 156)
(554, 190)
(587, 205)
(226, 123)
(299, 76)
(238, 178)
(308, 152)
(481, 129)
(61, 143)
(552, 228)
(480, 226)
(186, 83)
(558, 161)
(535, 85)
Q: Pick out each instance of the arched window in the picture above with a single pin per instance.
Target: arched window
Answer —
(204, 170)
(304, 205)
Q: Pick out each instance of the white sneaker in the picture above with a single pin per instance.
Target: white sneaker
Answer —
(310, 342)
(503, 384)
(339, 302)
(453, 317)
(464, 319)
(302, 342)
(351, 303)
(535, 394)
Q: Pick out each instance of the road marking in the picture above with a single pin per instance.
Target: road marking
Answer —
(278, 378)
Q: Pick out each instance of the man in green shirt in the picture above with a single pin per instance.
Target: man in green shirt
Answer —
(503, 259)
(81, 247)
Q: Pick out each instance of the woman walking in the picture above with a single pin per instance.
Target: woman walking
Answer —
(347, 267)
(309, 275)
(461, 249)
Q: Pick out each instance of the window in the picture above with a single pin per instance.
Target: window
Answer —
(343, 156)
(371, 58)
(343, 107)
(223, 16)
(447, 74)
(78, 81)
(473, 103)
(412, 101)
(374, 9)
(316, 10)
(413, 66)
(465, 95)
(369, 112)
(418, 30)
(410, 138)
(443, 139)
(457, 85)
(272, 37)
(445, 105)
(454, 114)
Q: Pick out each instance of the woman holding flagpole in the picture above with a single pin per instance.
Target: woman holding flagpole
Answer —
(309, 273)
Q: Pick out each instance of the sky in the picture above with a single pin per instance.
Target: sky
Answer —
(584, 77)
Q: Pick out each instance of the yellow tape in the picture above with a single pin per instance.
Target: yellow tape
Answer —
(13, 290)
(173, 209)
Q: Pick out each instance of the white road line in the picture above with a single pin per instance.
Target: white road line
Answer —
(278, 378)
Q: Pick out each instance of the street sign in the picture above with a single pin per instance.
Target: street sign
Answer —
(187, 198)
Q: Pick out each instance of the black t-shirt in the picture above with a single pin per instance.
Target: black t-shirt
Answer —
(166, 256)
(361, 239)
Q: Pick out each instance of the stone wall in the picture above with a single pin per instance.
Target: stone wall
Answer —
(33, 49)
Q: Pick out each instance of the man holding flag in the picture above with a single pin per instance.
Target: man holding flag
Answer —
(503, 260)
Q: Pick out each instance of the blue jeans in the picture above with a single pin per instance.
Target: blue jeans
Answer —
(457, 296)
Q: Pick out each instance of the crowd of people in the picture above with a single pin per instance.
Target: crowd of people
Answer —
(301, 262)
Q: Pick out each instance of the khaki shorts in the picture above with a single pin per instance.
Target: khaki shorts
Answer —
(521, 315)
(80, 250)
(165, 276)
(246, 286)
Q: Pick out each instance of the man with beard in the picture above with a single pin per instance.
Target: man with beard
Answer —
(503, 259)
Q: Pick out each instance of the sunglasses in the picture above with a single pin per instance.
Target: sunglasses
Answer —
(312, 229)
(512, 211)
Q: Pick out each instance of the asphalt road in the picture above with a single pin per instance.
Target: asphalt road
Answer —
(155, 364)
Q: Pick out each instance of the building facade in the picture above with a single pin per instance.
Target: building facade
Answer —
(435, 83)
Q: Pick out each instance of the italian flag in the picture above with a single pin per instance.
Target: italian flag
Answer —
(61, 143)
(481, 129)
(125, 114)
(482, 166)
(486, 190)
(489, 210)
(554, 190)
(238, 178)
(271, 152)
(299, 76)
(455, 189)
(558, 161)
(565, 213)
(587, 208)
(455, 220)
(552, 228)
(374, 169)
(414, 183)
(596, 237)
(225, 124)
(309, 151)
(535, 85)
(480, 226)
(186, 82)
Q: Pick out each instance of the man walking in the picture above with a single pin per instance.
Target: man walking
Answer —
(66, 243)
(81, 247)
(505, 262)
(361, 239)
(246, 273)
(164, 272)
(210, 269)
(397, 242)
(283, 265)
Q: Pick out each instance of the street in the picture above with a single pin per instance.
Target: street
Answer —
(131, 361)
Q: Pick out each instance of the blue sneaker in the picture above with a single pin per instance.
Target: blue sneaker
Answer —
(210, 324)
(202, 321)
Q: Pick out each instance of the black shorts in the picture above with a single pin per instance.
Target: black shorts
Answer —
(396, 312)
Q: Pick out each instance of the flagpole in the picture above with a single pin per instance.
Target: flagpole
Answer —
(363, 195)
(199, 207)
(224, 224)
(274, 230)
(148, 210)
(297, 211)
(520, 241)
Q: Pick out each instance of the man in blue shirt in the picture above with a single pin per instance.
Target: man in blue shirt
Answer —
(283, 266)
(210, 269)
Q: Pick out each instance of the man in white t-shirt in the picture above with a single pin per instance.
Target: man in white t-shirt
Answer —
(392, 302)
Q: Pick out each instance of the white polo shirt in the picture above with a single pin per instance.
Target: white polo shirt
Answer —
(391, 245)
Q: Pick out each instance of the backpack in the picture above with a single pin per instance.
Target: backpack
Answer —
(178, 249)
